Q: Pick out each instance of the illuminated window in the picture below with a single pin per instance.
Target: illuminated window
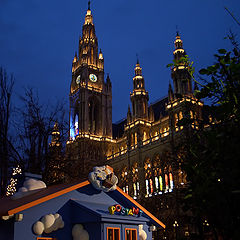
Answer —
(132, 139)
(166, 183)
(160, 183)
(156, 183)
(148, 178)
(147, 187)
(72, 132)
(76, 125)
(127, 189)
(123, 180)
(176, 118)
(157, 172)
(171, 180)
(130, 234)
(135, 180)
(144, 136)
(191, 114)
(176, 122)
(180, 116)
(134, 190)
(151, 185)
(113, 233)
(135, 138)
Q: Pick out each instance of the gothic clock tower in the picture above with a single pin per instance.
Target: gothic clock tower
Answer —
(90, 95)
(90, 118)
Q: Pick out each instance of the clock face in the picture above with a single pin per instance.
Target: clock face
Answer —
(93, 77)
(78, 79)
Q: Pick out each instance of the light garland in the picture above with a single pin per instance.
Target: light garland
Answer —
(11, 188)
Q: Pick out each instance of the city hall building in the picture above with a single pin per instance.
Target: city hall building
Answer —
(142, 147)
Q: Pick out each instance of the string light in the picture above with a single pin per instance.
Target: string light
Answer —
(11, 188)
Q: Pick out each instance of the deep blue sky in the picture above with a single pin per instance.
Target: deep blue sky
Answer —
(38, 39)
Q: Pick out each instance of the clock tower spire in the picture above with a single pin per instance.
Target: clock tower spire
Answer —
(90, 94)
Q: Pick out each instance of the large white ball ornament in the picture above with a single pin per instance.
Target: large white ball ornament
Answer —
(77, 229)
(38, 228)
(48, 221)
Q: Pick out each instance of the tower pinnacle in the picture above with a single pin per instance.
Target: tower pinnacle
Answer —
(137, 58)
(88, 17)
(181, 78)
(89, 5)
(139, 96)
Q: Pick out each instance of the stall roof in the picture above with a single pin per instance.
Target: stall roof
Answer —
(8, 206)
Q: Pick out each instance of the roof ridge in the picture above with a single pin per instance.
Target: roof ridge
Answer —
(158, 100)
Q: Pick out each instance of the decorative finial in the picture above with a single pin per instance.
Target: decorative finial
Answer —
(137, 59)
(177, 31)
(89, 5)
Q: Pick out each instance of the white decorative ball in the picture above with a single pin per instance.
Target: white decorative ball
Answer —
(77, 229)
(48, 221)
(38, 228)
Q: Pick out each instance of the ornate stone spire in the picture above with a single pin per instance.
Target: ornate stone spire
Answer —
(180, 73)
(89, 17)
(139, 96)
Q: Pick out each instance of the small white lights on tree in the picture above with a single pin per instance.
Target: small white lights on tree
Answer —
(205, 223)
(11, 188)
(175, 224)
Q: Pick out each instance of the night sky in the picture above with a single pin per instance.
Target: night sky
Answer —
(38, 40)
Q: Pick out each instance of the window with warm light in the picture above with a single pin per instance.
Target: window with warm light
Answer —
(135, 180)
(148, 178)
(124, 180)
(113, 233)
(130, 234)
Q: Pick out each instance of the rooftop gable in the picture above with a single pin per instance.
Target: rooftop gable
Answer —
(9, 206)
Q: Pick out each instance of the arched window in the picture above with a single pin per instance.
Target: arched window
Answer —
(136, 185)
(180, 115)
(135, 138)
(144, 136)
(132, 140)
(76, 125)
(176, 121)
(191, 114)
(148, 178)
(180, 118)
(181, 180)
(166, 179)
(72, 128)
(157, 172)
(170, 177)
(168, 184)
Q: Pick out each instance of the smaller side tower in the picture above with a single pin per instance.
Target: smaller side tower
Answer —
(182, 80)
(139, 96)
(181, 101)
